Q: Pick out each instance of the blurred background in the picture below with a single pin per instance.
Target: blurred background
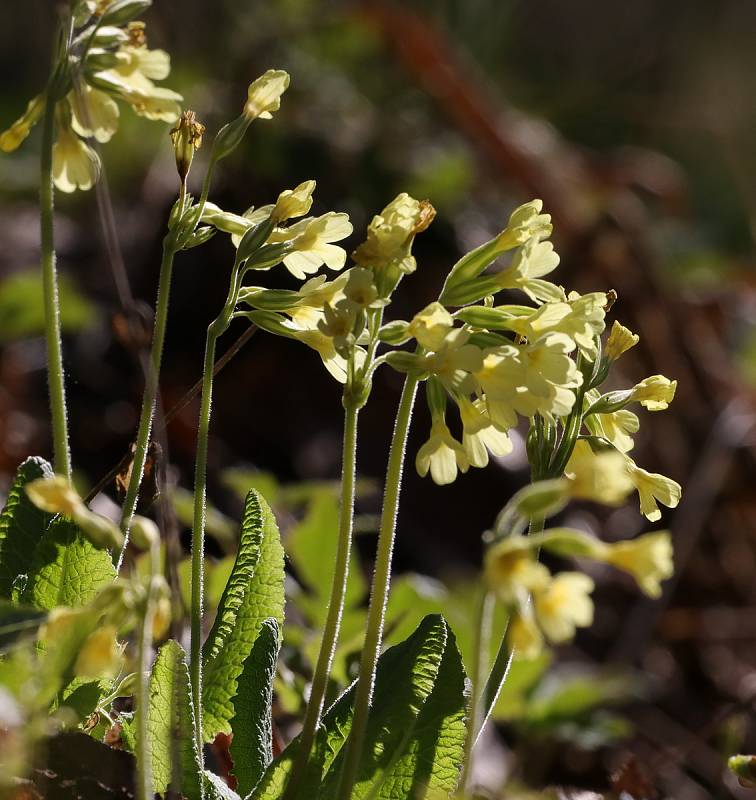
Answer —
(634, 123)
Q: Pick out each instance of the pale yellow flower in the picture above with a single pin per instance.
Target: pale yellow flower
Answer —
(94, 113)
(563, 605)
(264, 94)
(293, 202)
(442, 454)
(654, 393)
(390, 234)
(648, 559)
(431, 326)
(313, 296)
(480, 435)
(454, 362)
(359, 289)
(620, 340)
(653, 487)
(75, 164)
(324, 346)
(616, 427)
(598, 477)
(512, 572)
(100, 655)
(55, 495)
(132, 79)
(338, 324)
(529, 264)
(19, 130)
(312, 243)
(526, 222)
(581, 317)
(539, 377)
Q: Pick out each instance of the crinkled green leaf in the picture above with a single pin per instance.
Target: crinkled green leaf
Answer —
(170, 720)
(216, 788)
(255, 592)
(434, 750)
(22, 525)
(405, 679)
(239, 580)
(68, 570)
(252, 744)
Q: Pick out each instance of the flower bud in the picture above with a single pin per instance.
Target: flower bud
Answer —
(264, 94)
(103, 533)
(620, 340)
(254, 239)
(55, 495)
(11, 139)
(228, 138)
(293, 202)
(186, 137)
(394, 332)
(145, 534)
(119, 12)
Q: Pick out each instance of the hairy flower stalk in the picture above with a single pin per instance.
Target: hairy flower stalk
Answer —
(379, 590)
(198, 526)
(55, 375)
(335, 605)
(150, 390)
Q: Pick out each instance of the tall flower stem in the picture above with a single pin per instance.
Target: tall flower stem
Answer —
(150, 391)
(55, 375)
(198, 527)
(480, 657)
(335, 605)
(379, 590)
(145, 790)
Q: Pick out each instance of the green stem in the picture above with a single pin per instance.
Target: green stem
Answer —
(150, 393)
(145, 790)
(335, 606)
(55, 375)
(379, 591)
(480, 656)
(198, 527)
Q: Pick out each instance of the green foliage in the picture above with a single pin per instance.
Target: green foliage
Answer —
(415, 732)
(22, 313)
(254, 593)
(175, 760)
(67, 569)
(252, 745)
(311, 546)
(22, 525)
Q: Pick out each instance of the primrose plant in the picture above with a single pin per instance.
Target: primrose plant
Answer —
(81, 622)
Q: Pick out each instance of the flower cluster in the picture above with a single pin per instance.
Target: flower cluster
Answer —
(107, 61)
(546, 606)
